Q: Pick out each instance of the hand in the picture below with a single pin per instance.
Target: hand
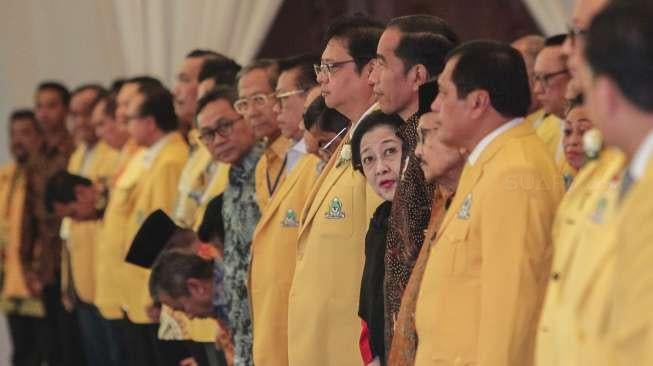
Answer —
(188, 362)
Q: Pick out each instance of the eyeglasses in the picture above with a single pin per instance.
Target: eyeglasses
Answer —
(328, 69)
(280, 97)
(223, 128)
(242, 105)
(422, 134)
(544, 79)
(573, 32)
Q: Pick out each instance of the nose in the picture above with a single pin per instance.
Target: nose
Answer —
(418, 150)
(381, 167)
(538, 88)
(435, 106)
(322, 78)
(374, 76)
(276, 107)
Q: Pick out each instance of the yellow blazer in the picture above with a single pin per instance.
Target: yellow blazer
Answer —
(579, 223)
(323, 325)
(81, 236)
(111, 235)
(274, 248)
(270, 168)
(631, 330)
(12, 200)
(549, 129)
(484, 281)
(155, 189)
(192, 183)
(217, 185)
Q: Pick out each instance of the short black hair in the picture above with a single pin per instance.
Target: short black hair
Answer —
(424, 23)
(58, 87)
(427, 49)
(270, 66)
(304, 65)
(100, 92)
(332, 121)
(173, 268)
(313, 112)
(496, 68)
(221, 70)
(158, 103)
(556, 40)
(60, 188)
(116, 84)
(200, 52)
(144, 81)
(219, 92)
(620, 47)
(25, 114)
(360, 35)
(368, 123)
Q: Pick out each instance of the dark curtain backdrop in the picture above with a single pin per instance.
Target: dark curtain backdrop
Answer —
(300, 24)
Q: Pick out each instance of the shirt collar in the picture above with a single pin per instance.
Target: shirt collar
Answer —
(153, 151)
(485, 142)
(299, 146)
(642, 157)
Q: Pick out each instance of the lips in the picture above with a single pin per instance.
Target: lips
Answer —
(387, 184)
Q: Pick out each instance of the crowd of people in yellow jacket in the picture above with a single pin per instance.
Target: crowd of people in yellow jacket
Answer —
(403, 198)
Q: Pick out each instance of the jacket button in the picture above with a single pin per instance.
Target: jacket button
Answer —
(555, 276)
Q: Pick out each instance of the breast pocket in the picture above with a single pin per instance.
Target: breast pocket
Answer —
(452, 249)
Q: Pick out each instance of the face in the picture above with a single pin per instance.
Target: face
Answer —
(394, 88)
(125, 95)
(254, 87)
(81, 116)
(82, 208)
(436, 158)
(204, 87)
(141, 128)
(224, 132)
(197, 304)
(106, 128)
(550, 80)
(185, 89)
(452, 114)
(342, 85)
(380, 154)
(576, 124)
(50, 110)
(290, 104)
(25, 139)
(573, 48)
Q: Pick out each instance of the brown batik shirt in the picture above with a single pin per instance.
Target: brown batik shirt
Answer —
(411, 210)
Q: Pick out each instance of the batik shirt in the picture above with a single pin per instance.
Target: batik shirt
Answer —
(411, 210)
(240, 213)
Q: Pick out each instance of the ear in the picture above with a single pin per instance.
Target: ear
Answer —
(419, 75)
(477, 102)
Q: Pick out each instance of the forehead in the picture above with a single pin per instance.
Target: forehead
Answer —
(135, 102)
(191, 66)
(576, 114)
(449, 67)
(254, 82)
(335, 50)
(389, 40)
(217, 109)
(23, 124)
(549, 56)
(48, 96)
(127, 91)
(83, 98)
(288, 79)
(378, 134)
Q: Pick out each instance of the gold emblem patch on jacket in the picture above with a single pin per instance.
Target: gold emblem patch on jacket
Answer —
(335, 209)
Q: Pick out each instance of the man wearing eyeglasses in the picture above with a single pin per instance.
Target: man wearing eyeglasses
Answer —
(256, 99)
(550, 78)
(274, 245)
(231, 140)
(323, 328)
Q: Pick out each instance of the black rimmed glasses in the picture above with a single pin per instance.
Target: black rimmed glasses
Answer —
(545, 79)
(328, 68)
(223, 128)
